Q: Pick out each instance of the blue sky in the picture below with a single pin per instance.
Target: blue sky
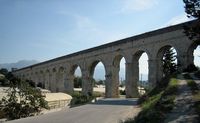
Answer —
(46, 29)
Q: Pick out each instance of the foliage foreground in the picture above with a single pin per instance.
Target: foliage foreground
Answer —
(22, 101)
(157, 103)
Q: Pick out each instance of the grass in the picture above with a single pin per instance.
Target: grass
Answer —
(157, 103)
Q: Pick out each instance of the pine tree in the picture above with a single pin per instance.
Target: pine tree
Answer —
(169, 65)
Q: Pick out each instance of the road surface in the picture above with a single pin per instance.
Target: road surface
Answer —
(103, 111)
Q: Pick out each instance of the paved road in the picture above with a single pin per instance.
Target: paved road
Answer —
(103, 111)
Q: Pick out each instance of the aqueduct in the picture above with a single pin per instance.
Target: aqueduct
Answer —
(58, 74)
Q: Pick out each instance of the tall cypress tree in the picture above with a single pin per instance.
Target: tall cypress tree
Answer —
(169, 65)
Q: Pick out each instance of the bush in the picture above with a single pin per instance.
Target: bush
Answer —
(22, 101)
(122, 92)
(78, 98)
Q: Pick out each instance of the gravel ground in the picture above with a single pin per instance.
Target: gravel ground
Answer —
(183, 112)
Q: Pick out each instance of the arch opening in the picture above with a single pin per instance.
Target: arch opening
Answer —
(196, 55)
(193, 57)
(122, 77)
(143, 83)
(77, 78)
(97, 72)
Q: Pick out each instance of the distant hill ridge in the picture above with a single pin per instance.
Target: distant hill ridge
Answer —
(19, 64)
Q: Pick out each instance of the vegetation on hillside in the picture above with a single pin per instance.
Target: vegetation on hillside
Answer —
(157, 103)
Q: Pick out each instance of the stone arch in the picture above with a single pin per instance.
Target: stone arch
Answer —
(136, 67)
(61, 69)
(116, 73)
(93, 65)
(91, 69)
(70, 85)
(54, 70)
(73, 69)
(138, 53)
(116, 60)
(190, 51)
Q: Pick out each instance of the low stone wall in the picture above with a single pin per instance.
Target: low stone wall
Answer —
(58, 100)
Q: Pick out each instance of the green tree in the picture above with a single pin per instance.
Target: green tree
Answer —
(4, 80)
(77, 82)
(169, 65)
(22, 101)
(192, 8)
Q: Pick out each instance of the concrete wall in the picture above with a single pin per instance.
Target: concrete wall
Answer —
(58, 74)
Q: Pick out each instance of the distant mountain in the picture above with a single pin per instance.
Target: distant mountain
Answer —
(19, 64)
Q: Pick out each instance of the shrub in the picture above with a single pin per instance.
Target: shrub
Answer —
(122, 92)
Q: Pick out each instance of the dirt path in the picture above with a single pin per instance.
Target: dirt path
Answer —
(183, 112)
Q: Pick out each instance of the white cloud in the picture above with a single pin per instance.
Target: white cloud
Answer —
(177, 19)
(83, 22)
(138, 5)
(197, 51)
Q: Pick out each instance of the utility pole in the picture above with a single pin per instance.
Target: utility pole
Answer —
(141, 80)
